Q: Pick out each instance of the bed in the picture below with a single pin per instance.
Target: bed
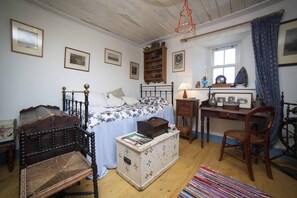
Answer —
(109, 122)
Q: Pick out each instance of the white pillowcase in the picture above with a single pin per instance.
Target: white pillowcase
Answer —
(117, 92)
(130, 100)
(114, 101)
(97, 99)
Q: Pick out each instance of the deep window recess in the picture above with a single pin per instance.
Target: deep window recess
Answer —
(224, 61)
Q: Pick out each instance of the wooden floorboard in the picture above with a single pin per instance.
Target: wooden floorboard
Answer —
(171, 183)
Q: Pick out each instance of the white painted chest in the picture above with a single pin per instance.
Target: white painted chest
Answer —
(140, 164)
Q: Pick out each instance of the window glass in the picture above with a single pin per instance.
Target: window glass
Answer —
(229, 73)
(218, 58)
(217, 72)
(224, 62)
(230, 56)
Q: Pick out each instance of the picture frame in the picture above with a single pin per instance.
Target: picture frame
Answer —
(244, 99)
(287, 43)
(113, 57)
(178, 61)
(26, 39)
(134, 70)
(76, 59)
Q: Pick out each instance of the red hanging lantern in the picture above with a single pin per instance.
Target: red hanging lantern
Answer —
(185, 21)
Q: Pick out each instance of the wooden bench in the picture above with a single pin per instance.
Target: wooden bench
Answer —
(47, 177)
(57, 157)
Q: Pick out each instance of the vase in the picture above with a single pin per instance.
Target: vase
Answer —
(212, 100)
(259, 101)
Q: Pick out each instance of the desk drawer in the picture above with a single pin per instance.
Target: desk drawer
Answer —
(184, 104)
(184, 111)
(228, 115)
(186, 107)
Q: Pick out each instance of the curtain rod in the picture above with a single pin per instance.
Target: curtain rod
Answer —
(232, 26)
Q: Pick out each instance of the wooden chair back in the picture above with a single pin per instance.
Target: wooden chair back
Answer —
(262, 130)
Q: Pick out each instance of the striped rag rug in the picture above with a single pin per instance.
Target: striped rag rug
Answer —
(208, 183)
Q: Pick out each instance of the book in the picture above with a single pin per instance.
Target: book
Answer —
(136, 139)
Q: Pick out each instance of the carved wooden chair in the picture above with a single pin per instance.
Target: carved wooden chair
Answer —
(252, 135)
(52, 160)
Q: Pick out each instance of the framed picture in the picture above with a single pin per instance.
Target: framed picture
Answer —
(178, 61)
(75, 59)
(113, 57)
(244, 99)
(287, 43)
(26, 39)
(134, 70)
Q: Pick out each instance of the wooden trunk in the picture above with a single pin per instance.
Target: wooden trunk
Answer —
(140, 165)
(152, 127)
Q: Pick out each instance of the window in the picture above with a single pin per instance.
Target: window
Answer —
(224, 62)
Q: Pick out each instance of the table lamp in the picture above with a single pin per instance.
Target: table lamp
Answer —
(184, 86)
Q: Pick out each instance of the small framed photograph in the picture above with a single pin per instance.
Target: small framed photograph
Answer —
(178, 61)
(113, 57)
(287, 43)
(26, 39)
(76, 59)
(244, 99)
(134, 70)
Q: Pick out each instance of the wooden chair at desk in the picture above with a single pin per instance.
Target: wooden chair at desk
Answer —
(257, 136)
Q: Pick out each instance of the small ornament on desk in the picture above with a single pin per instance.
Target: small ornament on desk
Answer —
(259, 101)
(212, 100)
(204, 82)
(197, 84)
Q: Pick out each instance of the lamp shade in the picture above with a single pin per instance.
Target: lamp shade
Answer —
(184, 86)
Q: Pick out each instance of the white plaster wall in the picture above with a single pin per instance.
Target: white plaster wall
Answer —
(29, 81)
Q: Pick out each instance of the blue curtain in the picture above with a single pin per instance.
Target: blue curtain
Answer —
(265, 41)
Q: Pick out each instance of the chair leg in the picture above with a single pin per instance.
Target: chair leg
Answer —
(222, 147)
(243, 154)
(257, 149)
(267, 162)
(248, 161)
(95, 183)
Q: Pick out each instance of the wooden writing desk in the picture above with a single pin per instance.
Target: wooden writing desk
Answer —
(219, 112)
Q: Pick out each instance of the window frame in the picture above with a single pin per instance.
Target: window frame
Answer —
(224, 47)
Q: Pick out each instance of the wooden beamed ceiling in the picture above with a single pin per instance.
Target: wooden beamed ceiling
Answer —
(142, 21)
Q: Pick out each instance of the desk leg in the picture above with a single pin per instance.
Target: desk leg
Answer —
(202, 130)
(295, 139)
(10, 158)
(196, 129)
(191, 132)
(207, 128)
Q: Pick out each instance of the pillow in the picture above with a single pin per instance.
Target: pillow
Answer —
(97, 99)
(154, 100)
(117, 93)
(113, 101)
(130, 100)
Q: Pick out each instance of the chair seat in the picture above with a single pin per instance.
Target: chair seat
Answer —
(239, 135)
(47, 177)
